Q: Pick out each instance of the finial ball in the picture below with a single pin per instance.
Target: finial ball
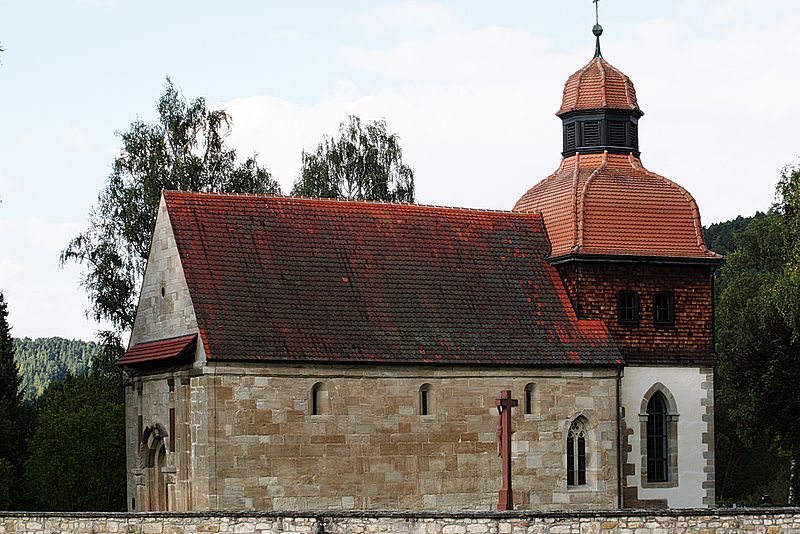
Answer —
(597, 30)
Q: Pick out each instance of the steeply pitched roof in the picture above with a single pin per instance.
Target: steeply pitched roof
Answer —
(610, 204)
(288, 279)
(598, 85)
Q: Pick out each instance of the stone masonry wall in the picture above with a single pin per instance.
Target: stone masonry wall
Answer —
(259, 447)
(593, 290)
(767, 521)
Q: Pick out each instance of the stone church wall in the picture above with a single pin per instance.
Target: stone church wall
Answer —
(770, 521)
(257, 446)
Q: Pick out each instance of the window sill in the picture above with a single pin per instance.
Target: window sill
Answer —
(659, 485)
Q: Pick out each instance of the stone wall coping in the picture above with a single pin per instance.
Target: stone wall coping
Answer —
(422, 514)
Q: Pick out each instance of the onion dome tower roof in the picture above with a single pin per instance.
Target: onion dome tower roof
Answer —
(598, 85)
(601, 201)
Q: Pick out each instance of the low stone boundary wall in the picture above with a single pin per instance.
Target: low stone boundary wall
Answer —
(723, 520)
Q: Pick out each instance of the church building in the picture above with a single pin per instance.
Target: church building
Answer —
(311, 354)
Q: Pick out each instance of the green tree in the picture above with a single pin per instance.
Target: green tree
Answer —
(11, 436)
(184, 149)
(759, 325)
(364, 163)
(76, 455)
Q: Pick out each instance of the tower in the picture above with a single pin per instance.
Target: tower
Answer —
(628, 245)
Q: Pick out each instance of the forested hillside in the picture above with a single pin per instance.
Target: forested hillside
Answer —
(44, 360)
(719, 236)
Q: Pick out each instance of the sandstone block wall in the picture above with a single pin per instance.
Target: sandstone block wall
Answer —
(257, 446)
(165, 306)
(766, 521)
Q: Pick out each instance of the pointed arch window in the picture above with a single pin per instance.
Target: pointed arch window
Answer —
(576, 454)
(657, 439)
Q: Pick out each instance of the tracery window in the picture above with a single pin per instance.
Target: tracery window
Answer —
(576, 453)
(657, 439)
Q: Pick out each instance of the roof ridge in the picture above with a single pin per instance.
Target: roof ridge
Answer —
(575, 173)
(410, 205)
(584, 191)
(602, 81)
(627, 83)
(580, 74)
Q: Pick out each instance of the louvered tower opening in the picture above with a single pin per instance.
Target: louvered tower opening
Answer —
(595, 131)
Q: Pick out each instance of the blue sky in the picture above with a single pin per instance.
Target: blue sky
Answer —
(470, 87)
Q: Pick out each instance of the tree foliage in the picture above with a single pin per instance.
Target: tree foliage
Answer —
(76, 455)
(758, 325)
(719, 237)
(184, 149)
(11, 416)
(364, 163)
(45, 360)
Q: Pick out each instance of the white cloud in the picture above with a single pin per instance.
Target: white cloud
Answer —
(409, 16)
(474, 109)
(473, 56)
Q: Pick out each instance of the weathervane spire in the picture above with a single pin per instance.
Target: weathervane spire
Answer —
(597, 30)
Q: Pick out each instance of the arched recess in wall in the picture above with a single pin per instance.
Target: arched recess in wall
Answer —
(319, 401)
(425, 400)
(528, 403)
(658, 438)
(153, 460)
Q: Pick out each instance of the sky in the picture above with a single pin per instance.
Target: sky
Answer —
(470, 87)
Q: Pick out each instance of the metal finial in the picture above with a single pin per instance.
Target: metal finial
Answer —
(597, 30)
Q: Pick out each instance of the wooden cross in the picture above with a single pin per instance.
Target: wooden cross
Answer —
(504, 404)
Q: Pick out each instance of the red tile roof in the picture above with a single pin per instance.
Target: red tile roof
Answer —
(290, 279)
(598, 85)
(611, 205)
(175, 349)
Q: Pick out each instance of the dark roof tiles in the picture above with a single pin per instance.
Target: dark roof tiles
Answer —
(288, 279)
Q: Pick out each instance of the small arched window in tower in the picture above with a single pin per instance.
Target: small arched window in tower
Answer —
(657, 439)
(529, 399)
(576, 453)
(664, 308)
(628, 307)
(425, 399)
(319, 399)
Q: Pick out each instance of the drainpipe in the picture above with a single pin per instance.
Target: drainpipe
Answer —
(619, 440)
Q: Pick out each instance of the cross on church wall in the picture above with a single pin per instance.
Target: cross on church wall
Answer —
(504, 404)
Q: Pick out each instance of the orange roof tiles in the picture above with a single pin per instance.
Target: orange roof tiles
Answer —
(609, 204)
(294, 279)
(598, 85)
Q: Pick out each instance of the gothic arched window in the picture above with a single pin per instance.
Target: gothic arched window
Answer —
(657, 439)
(576, 453)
